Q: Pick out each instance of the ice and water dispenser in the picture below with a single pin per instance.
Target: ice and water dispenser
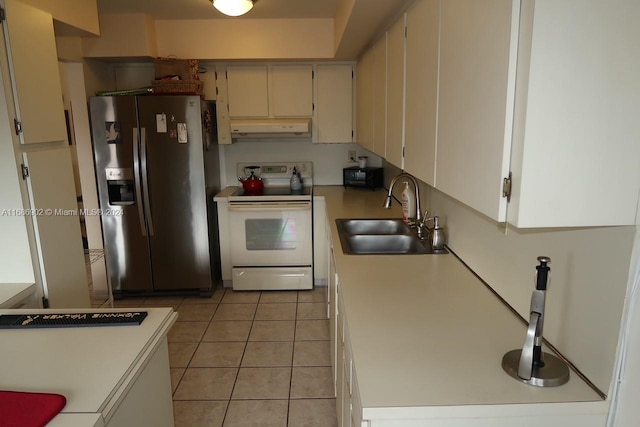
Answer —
(120, 185)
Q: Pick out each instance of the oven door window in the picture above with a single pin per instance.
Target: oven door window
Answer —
(270, 234)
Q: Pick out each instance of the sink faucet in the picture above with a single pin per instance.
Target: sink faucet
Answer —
(387, 203)
(435, 234)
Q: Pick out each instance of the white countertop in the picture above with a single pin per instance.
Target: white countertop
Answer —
(13, 293)
(424, 330)
(87, 365)
(225, 193)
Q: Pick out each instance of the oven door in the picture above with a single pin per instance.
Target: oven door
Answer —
(269, 234)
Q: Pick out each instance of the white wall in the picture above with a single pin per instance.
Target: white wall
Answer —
(97, 76)
(328, 159)
(589, 274)
(81, 14)
(132, 76)
(84, 152)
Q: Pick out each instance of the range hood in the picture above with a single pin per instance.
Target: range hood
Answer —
(270, 128)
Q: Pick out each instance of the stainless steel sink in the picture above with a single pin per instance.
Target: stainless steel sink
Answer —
(381, 237)
(372, 226)
(385, 244)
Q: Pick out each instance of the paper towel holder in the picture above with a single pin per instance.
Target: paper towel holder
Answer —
(530, 364)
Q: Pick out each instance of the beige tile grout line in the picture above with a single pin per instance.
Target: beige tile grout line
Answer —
(246, 342)
(293, 353)
(226, 411)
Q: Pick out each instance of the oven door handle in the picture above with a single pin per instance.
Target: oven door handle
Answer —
(270, 206)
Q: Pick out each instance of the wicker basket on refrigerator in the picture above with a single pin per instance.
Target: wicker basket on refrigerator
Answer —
(177, 76)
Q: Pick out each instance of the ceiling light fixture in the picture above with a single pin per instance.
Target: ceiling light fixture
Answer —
(233, 7)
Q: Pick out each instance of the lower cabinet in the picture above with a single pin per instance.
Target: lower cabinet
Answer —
(356, 404)
(148, 400)
(348, 407)
(333, 312)
(346, 399)
(340, 394)
(111, 376)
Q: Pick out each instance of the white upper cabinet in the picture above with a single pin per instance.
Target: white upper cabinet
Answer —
(548, 91)
(576, 139)
(365, 99)
(395, 93)
(371, 112)
(260, 91)
(421, 99)
(380, 97)
(33, 62)
(291, 90)
(248, 91)
(334, 104)
(477, 57)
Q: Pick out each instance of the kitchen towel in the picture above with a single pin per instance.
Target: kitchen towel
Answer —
(23, 409)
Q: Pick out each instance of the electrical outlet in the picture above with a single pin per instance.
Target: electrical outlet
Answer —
(351, 154)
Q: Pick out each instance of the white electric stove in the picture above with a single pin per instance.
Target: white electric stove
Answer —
(271, 231)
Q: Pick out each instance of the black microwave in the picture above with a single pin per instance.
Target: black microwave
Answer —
(362, 177)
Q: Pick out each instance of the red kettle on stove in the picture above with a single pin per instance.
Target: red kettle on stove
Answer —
(251, 184)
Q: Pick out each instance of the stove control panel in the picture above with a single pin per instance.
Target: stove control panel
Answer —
(274, 169)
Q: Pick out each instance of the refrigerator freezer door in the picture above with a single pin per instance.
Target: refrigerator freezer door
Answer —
(173, 153)
(114, 127)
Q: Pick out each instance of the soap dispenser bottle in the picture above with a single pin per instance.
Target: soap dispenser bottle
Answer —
(408, 203)
(295, 182)
(437, 235)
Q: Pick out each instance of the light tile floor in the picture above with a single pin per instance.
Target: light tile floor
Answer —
(250, 359)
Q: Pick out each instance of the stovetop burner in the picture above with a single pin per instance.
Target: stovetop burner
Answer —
(275, 177)
(273, 191)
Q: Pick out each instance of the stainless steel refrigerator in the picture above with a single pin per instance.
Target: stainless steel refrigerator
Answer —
(157, 169)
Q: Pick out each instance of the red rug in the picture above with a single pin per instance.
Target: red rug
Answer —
(20, 409)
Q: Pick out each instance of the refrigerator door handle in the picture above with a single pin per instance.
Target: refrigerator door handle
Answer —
(136, 180)
(145, 181)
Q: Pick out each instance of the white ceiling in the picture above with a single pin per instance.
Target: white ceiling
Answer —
(203, 9)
